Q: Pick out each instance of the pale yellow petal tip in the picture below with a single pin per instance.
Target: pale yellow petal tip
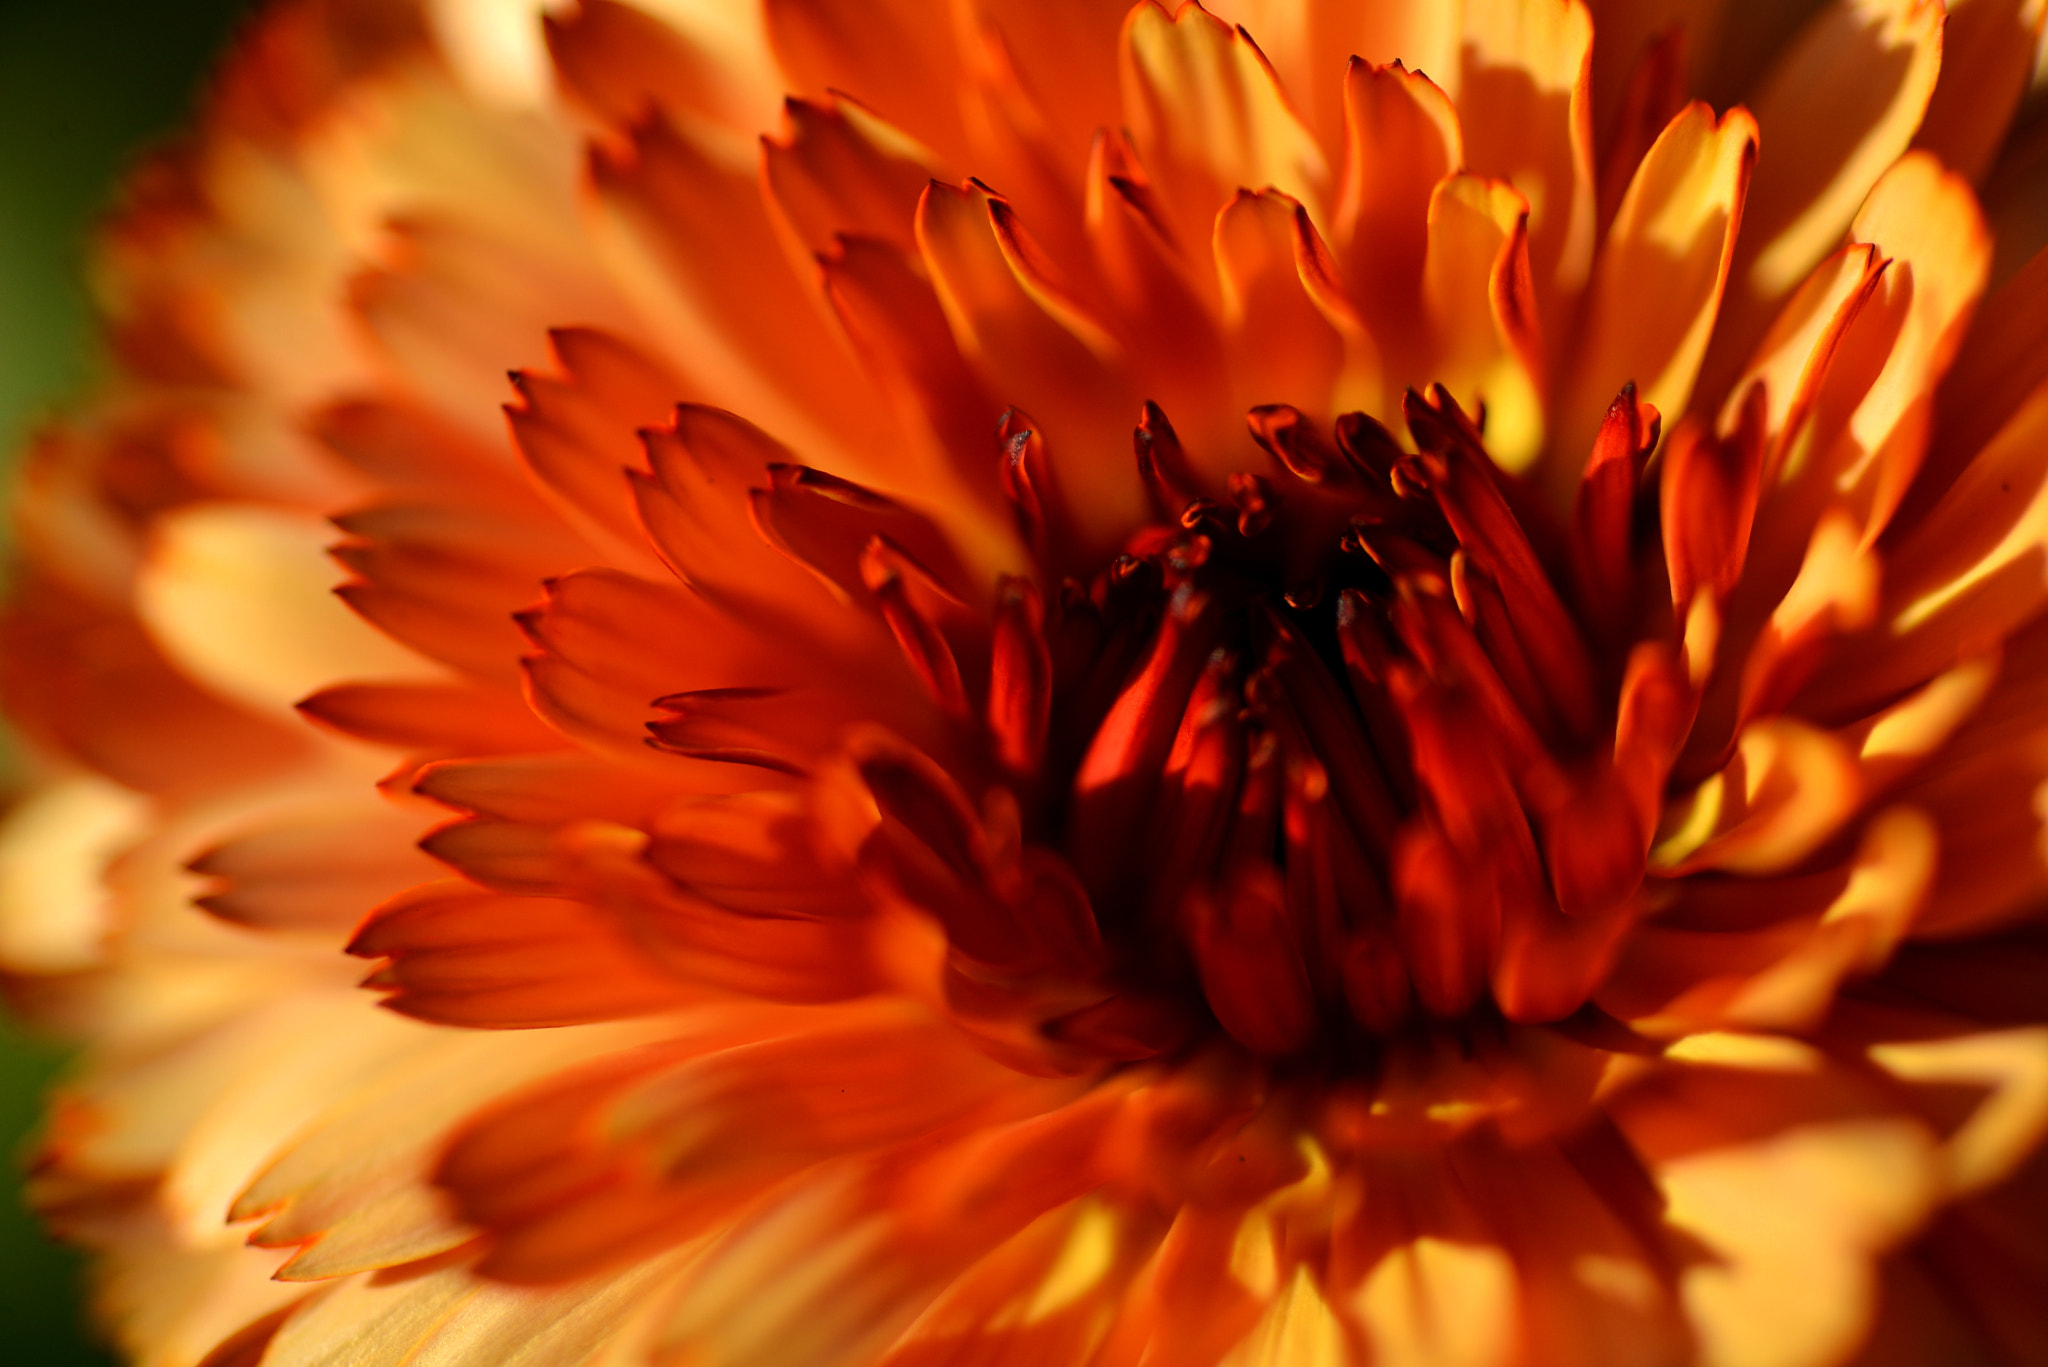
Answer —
(496, 46)
(55, 848)
(242, 597)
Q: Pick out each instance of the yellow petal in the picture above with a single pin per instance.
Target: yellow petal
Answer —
(1788, 788)
(809, 1284)
(1926, 220)
(1475, 286)
(252, 1106)
(1524, 95)
(496, 48)
(1299, 1330)
(242, 598)
(54, 852)
(1657, 286)
(449, 1317)
(1793, 358)
(168, 1303)
(1788, 1185)
(1432, 1302)
(1836, 584)
(355, 1180)
(1766, 1299)
(2006, 1127)
(1888, 884)
(1905, 735)
(1839, 106)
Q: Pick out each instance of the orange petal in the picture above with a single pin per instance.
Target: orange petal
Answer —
(1063, 53)
(1834, 594)
(1988, 50)
(598, 672)
(837, 168)
(1208, 116)
(892, 55)
(429, 718)
(1794, 356)
(446, 579)
(314, 867)
(462, 957)
(1449, 924)
(827, 524)
(1708, 497)
(1293, 333)
(695, 506)
(1043, 1295)
(1965, 577)
(891, 312)
(1838, 107)
(87, 681)
(455, 303)
(577, 435)
(1035, 347)
(2003, 358)
(1164, 292)
(1971, 754)
(620, 63)
(403, 446)
(695, 246)
(1655, 95)
(1705, 964)
(1418, 33)
(1630, 34)
(546, 789)
(1592, 1284)
(1401, 138)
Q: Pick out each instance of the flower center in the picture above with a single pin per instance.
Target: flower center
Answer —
(1330, 758)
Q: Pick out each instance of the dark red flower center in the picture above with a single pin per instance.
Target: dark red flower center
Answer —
(1357, 748)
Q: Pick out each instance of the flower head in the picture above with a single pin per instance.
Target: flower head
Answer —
(1127, 693)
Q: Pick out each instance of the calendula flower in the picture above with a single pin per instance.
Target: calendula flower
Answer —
(1308, 682)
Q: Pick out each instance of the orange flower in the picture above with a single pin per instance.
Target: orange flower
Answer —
(1128, 694)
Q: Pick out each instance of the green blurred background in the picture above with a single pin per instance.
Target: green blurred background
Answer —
(84, 85)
